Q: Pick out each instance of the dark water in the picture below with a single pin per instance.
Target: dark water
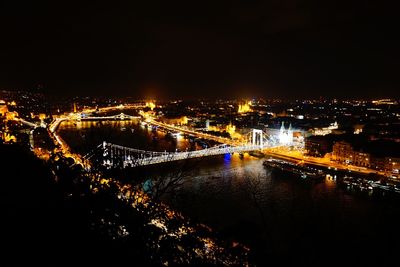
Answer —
(283, 220)
(86, 135)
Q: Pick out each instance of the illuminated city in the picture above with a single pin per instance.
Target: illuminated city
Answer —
(233, 135)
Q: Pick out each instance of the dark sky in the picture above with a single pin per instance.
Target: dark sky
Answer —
(219, 48)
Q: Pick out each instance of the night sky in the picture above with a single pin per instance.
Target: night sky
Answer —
(168, 49)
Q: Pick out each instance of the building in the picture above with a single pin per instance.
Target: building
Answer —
(3, 119)
(3, 108)
(362, 159)
(385, 157)
(325, 130)
(384, 102)
(392, 167)
(343, 152)
(318, 146)
(244, 108)
(380, 155)
(285, 136)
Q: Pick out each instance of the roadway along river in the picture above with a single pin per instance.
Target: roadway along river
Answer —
(282, 219)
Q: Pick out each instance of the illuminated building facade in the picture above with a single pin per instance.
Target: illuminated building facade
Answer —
(285, 136)
(344, 153)
(150, 104)
(386, 101)
(3, 108)
(230, 129)
(326, 130)
(246, 107)
(207, 124)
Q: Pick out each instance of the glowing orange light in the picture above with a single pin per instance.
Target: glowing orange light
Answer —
(245, 107)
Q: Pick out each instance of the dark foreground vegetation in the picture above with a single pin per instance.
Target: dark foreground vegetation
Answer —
(54, 215)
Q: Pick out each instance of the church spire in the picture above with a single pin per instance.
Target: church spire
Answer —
(282, 127)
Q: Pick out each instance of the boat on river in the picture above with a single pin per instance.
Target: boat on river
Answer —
(303, 172)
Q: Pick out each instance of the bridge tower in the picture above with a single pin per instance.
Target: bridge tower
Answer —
(257, 138)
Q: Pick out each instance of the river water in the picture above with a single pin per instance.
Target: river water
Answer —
(282, 219)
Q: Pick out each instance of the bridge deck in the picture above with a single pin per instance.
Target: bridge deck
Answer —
(115, 154)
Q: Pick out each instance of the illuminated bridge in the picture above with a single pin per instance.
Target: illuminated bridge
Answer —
(79, 117)
(254, 136)
(120, 116)
(28, 123)
(116, 156)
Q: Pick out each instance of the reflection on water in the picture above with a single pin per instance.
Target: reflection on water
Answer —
(284, 220)
(86, 135)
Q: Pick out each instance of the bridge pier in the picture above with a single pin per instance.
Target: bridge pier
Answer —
(257, 138)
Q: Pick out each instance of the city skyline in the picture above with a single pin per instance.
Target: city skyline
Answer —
(181, 181)
(199, 133)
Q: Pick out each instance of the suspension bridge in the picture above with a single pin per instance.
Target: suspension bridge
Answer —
(116, 156)
(120, 116)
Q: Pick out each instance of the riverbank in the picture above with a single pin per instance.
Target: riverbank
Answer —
(320, 162)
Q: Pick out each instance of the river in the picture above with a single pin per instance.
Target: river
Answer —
(282, 219)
